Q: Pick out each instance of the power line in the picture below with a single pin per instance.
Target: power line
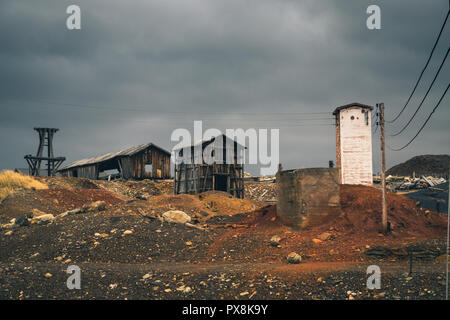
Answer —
(426, 121)
(426, 94)
(423, 70)
(375, 124)
(140, 109)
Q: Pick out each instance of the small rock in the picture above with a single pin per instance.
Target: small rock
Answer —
(316, 240)
(325, 236)
(43, 219)
(127, 232)
(22, 221)
(184, 289)
(101, 235)
(176, 216)
(189, 243)
(95, 206)
(275, 241)
(146, 276)
(294, 258)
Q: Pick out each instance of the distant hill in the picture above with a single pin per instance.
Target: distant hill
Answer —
(422, 165)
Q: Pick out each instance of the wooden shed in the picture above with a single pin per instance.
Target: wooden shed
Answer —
(214, 164)
(145, 161)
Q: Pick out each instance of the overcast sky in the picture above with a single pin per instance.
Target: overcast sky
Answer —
(137, 70)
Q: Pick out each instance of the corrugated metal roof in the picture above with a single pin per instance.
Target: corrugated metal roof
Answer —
(201, 141)
(108, 156)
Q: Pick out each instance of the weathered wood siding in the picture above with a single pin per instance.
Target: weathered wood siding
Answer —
(89, 172)
(197, 178)
(130, 167)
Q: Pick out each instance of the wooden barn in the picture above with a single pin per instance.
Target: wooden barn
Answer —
(214, 164)
(146, 161)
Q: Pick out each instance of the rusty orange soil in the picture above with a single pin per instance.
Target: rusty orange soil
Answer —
(355, 230)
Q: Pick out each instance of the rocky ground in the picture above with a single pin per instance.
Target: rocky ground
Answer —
(137, 245)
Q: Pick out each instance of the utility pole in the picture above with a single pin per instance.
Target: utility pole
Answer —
(383, 171)
(448, 232)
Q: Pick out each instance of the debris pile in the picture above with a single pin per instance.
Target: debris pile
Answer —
(395, 183)
(263, 191)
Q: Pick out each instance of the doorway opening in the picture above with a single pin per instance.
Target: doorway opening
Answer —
(221, 182)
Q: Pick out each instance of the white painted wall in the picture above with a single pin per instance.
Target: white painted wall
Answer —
(356, 146)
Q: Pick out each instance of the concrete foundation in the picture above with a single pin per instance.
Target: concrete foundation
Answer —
(308, 197)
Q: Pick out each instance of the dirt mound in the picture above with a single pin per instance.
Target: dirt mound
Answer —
(422, 165)
(361, 206)
(203, 205)
(52, 201)
(344, 239)
(68, 183)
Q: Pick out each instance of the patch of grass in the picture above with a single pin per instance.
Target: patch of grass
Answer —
(11, 181)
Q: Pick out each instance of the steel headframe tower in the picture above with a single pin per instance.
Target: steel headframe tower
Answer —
(34, 162)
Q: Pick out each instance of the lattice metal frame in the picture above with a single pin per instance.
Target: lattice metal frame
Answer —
(53, 163)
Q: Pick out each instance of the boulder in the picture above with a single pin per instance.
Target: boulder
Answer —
(176, 216)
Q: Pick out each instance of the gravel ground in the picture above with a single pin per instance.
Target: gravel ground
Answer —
(131, 257)
(243, 282)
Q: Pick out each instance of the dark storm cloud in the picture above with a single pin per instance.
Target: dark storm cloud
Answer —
(139, 69)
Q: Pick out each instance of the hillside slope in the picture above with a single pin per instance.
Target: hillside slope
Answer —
(422, 165)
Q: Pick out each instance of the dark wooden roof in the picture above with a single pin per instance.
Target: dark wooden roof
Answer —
(352, 105)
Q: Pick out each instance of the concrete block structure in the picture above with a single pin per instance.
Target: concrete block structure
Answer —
(354, 143)
(308, 197)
